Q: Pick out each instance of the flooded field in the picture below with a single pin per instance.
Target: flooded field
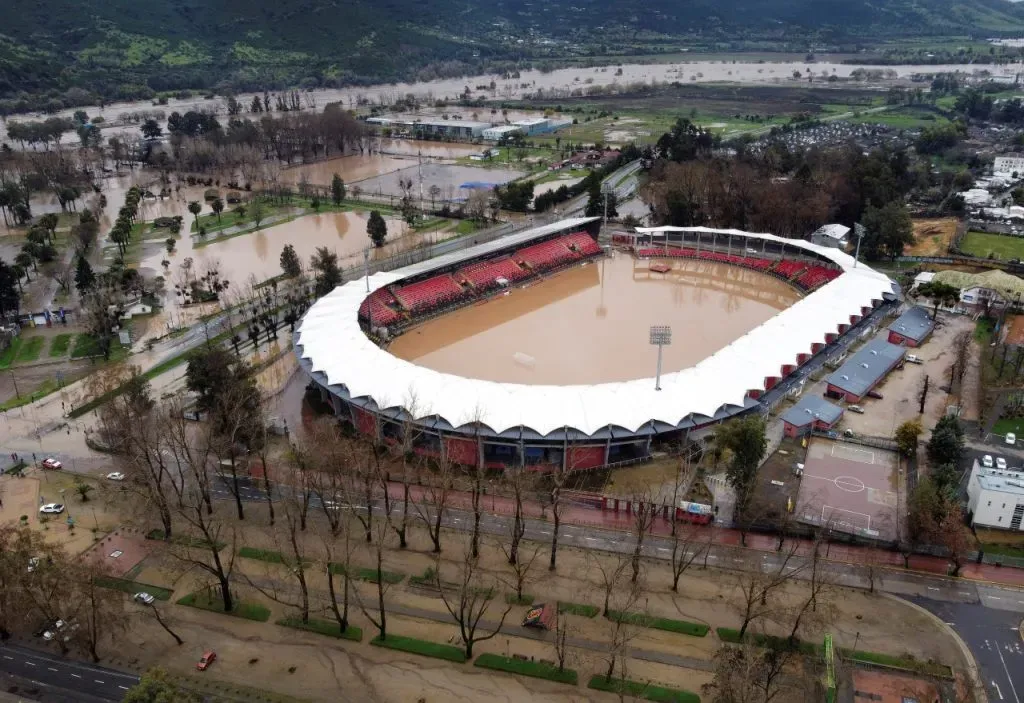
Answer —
(447, 177)
(350, 168)
(590, 324)
(554, 83)
(258, 253)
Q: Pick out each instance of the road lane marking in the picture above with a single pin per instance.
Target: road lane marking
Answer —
(50, 668)
(76, 676)
(30, 663)
(7, 657)
(932, 588)
(98, 681)
(1008, 677)
(998, 691)
(995, 597)
(124, 688)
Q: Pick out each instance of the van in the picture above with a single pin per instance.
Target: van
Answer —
(911, 359)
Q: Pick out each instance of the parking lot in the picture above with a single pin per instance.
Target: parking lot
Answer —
(902, 388)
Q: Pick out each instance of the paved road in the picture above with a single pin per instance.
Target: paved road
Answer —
(60, 679)
(994, 640)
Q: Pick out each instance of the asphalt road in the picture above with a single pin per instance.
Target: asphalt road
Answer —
(993, 638)
(48, 677)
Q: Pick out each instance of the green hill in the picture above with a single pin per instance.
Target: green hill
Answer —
(125, 49)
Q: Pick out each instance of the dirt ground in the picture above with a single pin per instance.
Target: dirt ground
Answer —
(901, 389)
(892, 688)
(23, 496)
(324, 665)
(932, 236)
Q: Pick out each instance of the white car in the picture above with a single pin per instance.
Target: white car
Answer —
(115, 476)
(51, 509)
(52, 632)
(1011, 438)
(51, 463)
(1000, 463)
(986, 461)
(144, 598)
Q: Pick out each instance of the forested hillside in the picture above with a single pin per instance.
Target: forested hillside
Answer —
(133, 48)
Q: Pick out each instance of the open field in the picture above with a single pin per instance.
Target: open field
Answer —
(932, 236)
(992, 246)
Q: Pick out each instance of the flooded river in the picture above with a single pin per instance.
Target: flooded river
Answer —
(554, 83)
(590, 324)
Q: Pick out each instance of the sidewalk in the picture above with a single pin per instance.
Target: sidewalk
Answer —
(576, 514)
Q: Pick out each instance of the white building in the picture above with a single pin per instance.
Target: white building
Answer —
(495, 134)
(534, 125)
(1008, 165)
(995, 497)
(831, 236)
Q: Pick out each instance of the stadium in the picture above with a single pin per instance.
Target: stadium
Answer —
(585, 395)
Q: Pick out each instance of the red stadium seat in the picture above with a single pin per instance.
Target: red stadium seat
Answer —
(431, 293)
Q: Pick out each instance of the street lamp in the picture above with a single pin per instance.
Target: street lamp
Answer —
(661, 335)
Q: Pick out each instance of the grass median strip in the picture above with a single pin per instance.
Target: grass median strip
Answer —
(31, 349)
(133, 587)
(538, 670)
(60, 345)
(268, 555)
(639, 689)
(587, 611)
(370, 575)
(727, 634)
(328, 628)
(242, 609)
(693, 629)
(424, 647)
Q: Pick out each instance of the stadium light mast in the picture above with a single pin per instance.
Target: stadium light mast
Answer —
(661, 336)
(859, 230)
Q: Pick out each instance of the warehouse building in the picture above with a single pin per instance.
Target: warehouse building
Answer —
(496, 134)
(864, 370)
(912, 327)
(811, 413)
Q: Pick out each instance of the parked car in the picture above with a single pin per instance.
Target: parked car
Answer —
(204, 662)
(911, 359)
(1011, 438)
(52, 632)
(874, 394)
(144, 598)
(986, 461)
(51, 463)
(855, 409)
(115, 476)
(52, 509)
(1001, 463)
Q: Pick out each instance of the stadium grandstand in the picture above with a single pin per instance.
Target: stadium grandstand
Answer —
(486, 423)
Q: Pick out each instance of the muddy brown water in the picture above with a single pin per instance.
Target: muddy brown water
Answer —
(590, 324)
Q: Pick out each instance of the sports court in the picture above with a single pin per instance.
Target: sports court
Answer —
(850, 488)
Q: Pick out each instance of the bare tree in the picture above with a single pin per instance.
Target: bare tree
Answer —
(519, 481)
(558, 480)
(622, 629)
(757, 585)
(645, 512)
(433, 501)
(472, 599)
(98, 612)
(294, 559)
(961, 355)
(520, 569)
(563, 632)
(380, 531)
(611, 570)
(748, 674)
(152, 608)
(337, 546)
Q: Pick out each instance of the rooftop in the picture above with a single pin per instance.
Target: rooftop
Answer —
(811, 408)
(914, 324)
(867, 367)
(834, 231)
(1001, 282)
(1004, 481)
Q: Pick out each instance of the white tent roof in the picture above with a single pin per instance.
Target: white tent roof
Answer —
(330, 338)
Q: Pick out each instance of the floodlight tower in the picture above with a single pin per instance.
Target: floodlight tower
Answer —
(661, 335)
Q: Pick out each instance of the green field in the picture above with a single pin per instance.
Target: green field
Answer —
(60, 345)
(1009, 424)
(30, 349)
(992, 246)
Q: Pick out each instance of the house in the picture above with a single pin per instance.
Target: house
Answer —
(863, 371)
(995, 497)
(811, 413)
(981, 292)
(834, 236)
(912, 327)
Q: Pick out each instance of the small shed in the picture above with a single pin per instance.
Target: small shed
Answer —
(912, 327)
(811, 413)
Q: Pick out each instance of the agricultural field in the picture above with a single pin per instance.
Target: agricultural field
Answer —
(992, 246)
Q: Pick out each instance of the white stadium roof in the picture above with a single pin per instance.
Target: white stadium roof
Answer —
(331, 342)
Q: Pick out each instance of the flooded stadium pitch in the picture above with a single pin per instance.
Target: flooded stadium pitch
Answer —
(590, 324)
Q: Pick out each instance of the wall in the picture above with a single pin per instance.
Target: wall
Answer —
(996, 515)
(462, 451)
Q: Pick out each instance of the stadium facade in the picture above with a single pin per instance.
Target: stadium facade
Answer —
(476, 422)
